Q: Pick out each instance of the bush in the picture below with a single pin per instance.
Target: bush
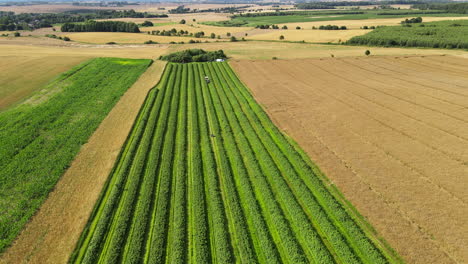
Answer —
(281, 37)
(147, 24)
(111, 43)
(233, 39)
(16, 34)
(298, 27)
(367, 52)
(182, 21)
(66, 39)
(194, 55)
(150, 42)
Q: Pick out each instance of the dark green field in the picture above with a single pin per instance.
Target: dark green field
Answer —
(40, 137)
(444, 34)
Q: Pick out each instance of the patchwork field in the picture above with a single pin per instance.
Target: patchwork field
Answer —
(391, 134)
(205, 177)
(53, 231)
(57, 120)
(20, 76)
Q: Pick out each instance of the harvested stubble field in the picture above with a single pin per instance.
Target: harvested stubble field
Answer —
(20, 76)
(390, 132)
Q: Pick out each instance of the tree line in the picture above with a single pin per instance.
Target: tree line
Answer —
(458, 8)
(101, 26)
(30, 21)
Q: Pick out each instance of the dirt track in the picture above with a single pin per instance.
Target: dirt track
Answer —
(390, 132)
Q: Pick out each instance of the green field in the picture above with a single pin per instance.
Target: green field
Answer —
(40, 137)
(206, 177)
(311, 16)
(445, 34)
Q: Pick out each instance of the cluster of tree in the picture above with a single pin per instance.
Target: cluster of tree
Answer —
(448, 35)
(332, 27)
(101, 26)
(57, 37)
(366, 27)
(182, 33)
(184, 10)
(458, 8)
(333, 5)
(194, 55)
(29, 21)
(270, 27)
(180, 10)
(147, 24)
(412, 20)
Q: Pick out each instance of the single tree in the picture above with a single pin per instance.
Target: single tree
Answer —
(367, 52)
(228, 34)
(17, 34)
(233, 39)
(281, 37)
(182, 21)
(213, 35)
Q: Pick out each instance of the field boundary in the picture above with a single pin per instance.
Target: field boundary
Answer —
(349, 207)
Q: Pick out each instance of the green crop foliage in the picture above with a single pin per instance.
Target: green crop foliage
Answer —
(40, 137)
(451, 34)
(206, 177)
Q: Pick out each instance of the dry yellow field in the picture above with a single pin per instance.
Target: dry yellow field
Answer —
(390, 132)
(126, 38)
(356, 24)
(29, 46)
(308, 35)
(20, 75)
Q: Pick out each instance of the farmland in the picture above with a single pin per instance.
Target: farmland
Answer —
(57, 119)
(389, 132)
(445, 34)
(20, 76)
(205, 176)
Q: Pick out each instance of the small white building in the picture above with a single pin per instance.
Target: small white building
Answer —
(219, 60)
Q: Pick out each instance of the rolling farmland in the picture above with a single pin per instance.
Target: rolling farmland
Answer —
(390, 132)
(205, 176)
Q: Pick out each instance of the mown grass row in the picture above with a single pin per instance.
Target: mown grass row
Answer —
(206, 177)
(40, 137)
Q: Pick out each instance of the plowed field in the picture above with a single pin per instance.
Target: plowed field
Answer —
(390, 132)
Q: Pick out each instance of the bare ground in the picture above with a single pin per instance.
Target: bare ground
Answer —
(52, 233)
(390, 132)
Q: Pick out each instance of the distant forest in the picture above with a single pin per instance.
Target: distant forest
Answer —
(30, 21)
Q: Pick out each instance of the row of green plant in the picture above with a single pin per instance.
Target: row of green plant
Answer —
(206, 177)
(41, 136)
(445, 34)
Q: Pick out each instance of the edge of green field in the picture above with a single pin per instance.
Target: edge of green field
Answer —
(125, 147)
(360, 220)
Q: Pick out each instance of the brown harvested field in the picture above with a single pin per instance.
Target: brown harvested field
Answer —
(390, 132)
(52, 233)
(20, 76)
